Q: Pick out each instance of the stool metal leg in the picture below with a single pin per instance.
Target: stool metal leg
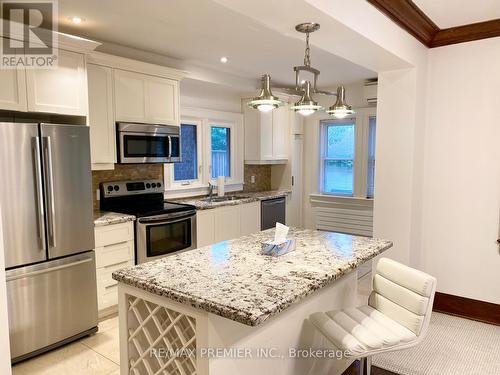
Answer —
(368, 365)
(361, 366)
(365, 366)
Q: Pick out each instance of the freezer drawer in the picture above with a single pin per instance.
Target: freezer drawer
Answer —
(272, 211)
(51, 302)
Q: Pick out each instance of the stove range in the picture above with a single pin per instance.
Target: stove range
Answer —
(162, 228)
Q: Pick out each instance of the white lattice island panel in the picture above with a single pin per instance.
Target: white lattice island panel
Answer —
(159, 336)
(160, 340)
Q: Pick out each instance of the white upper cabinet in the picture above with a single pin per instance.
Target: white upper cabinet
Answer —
(101, 116)
(146, 99)
(62, 90)
(130, 96)
(281, 124)
(162, 100)
(266, 135)
(13, 92)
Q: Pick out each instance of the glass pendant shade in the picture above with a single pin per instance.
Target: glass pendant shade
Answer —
(340, 109)
(266, 101)
(306, 105)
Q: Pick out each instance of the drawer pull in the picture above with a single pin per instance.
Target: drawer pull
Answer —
(111, 285)
(116, 244)
(117, 264)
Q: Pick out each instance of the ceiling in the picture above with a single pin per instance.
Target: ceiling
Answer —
(451, 13)
(201, 34)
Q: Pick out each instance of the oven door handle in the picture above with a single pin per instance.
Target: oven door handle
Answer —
(166, 218)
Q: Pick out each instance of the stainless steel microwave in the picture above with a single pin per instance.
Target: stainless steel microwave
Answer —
(147, 143)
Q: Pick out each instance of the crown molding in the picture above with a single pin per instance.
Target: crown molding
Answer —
(466, 33)
(411, 18)
(408, 16)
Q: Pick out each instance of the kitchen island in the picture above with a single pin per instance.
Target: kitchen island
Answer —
(227, 309)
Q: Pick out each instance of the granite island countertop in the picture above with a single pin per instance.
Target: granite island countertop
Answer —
(246, 197)
(102, 218)
(233, 280)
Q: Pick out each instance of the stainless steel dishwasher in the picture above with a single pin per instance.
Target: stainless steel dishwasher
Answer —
(272, 212)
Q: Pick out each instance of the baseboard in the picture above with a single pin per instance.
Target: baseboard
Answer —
(467, 308)
(353, 369)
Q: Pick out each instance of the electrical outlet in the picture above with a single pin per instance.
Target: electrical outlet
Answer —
(98, 194)
(252, 179)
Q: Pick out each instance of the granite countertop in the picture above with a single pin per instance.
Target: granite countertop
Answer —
(246, 197)
(232, 279)
(107, 218)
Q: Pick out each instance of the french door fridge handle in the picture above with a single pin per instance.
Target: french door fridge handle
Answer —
(47, 270)
(39, 191)
(50, 191)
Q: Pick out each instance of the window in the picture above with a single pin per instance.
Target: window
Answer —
(338, 160)
(211, 145)
(347, 159)
(370, 188)
(187, 170)
(220, 138)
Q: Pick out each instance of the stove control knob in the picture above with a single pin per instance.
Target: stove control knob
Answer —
(148, 185)
(110, 188)
(116, 187)
(158, 185)
(153, 185)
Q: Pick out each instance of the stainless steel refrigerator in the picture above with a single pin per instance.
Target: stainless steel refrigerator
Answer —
(46, 202)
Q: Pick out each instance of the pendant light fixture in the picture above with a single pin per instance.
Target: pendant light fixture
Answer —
(266, 101)
(340, 109)
(306, 105)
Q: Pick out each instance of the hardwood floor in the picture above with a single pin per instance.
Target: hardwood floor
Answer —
(354, 370)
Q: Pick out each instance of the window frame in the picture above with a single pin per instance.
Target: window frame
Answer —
(325, 124)
(361, 121)
(232, 153)
(205, 118)
(176, 184)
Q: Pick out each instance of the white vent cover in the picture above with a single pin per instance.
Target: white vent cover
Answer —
(370, 91)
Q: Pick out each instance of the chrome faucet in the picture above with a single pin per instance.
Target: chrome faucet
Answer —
(210, 191)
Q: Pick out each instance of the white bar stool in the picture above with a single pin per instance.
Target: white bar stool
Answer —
(397, 315)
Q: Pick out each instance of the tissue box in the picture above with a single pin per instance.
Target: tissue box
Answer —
(275, 250)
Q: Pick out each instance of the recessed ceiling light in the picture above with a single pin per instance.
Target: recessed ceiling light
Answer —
(76, 20)
(223, 59)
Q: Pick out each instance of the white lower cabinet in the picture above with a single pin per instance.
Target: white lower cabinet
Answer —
(250, 218)
(226, 223)
(114, 250)
(205, 228)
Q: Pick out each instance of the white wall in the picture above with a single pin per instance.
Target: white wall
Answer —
(461, 182)
(4, 319)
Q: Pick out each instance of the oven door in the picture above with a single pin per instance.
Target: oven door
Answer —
(159, 236)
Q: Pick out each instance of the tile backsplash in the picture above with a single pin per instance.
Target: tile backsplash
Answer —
(262, 175)
(126, 172)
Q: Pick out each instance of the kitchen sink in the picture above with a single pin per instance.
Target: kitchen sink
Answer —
(226, 198)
